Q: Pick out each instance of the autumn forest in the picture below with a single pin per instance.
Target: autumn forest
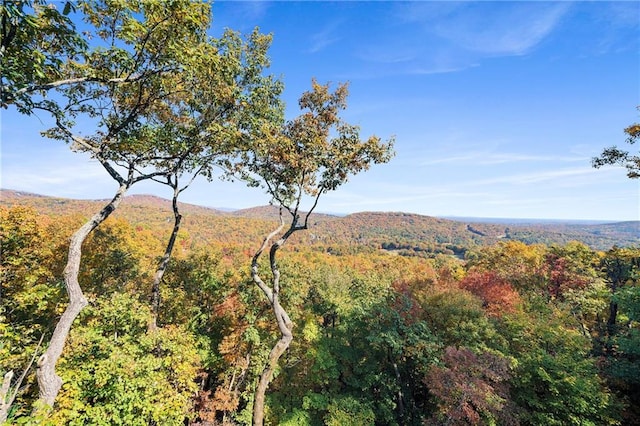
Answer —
(136, 310)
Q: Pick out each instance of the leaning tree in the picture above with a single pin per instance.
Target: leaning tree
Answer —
(309, 156)
(152, 97)
(226, 99)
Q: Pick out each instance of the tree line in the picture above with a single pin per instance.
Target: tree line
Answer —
(512, 334)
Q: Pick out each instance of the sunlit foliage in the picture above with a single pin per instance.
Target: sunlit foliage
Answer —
(520, 334)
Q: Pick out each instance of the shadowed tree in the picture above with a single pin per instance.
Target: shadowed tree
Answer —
(311, 155)
(620, 267)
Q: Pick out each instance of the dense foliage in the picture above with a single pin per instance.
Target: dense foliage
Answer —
(399, 319)
(512, 334)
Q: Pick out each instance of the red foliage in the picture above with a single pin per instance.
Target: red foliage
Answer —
(497, 294)
(562, 277)
(405, 304)
(470, 389)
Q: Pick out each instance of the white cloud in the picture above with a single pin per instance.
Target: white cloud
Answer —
(59, 180)
(489, 159)
(449, 37)
(324, 38)
(487, 28)
(559, 176)
(248, 10)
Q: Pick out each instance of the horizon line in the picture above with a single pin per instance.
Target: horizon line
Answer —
(458, 218)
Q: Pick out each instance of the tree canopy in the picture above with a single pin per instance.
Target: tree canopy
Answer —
(616, 156)
(312, 155)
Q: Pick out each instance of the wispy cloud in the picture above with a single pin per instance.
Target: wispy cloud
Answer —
(538, 177)
(450, 37)
(250, 10)
(483, 187)
(436, 69)
(406, 194)
(504, 28)
(389, 56)
(613, 17)
(510, 29)
(64, 180)
(490, 159)
(623, 14)
(560, 176)
(325, 38)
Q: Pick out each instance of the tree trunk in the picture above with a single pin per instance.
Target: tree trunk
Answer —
(8, 392)
(282, 318)
(5, 397)
(615, 275)
(400, 394)
(162, 265)
(285, 325)
(611, 327)
(49, 382)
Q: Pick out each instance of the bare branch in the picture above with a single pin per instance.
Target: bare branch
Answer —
(313, 207)
(26, 370)
(77, 80)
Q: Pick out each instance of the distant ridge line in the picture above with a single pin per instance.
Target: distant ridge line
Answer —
(269, 210)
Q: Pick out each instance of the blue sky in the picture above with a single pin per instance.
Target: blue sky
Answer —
(496, 107)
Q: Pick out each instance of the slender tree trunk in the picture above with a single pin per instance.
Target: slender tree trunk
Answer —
(282, 318)
(8, 393)
(285, 325)
(400, 393)
(611, 326)
(612, 318)
(5, 397)
(49, 382)
(162, 265)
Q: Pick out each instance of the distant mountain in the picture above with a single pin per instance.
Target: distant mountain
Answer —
(273, 213)
(417, 234)
(67, 205)
(259, 212)
(152, 201)
(526, 221)
(403, 233)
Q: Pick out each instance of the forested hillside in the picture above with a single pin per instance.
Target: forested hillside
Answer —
(507, 333)
(400, 233)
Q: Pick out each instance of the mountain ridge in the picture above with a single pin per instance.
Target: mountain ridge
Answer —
(409, 233)
(272, 211)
